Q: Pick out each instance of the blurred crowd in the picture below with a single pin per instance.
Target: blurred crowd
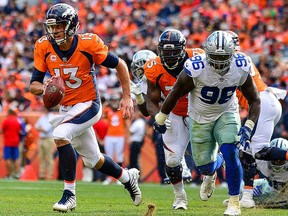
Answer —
(130, 25)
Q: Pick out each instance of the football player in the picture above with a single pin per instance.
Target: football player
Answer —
(211, 79)
(63, 52)
(140, 90)
(161, 73)
(272, 191)
(271, 111)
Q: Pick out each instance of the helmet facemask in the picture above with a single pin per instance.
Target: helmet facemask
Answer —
(138, 61)
(219, 48)
(137, 69)
(171, 48)
(171, 55)
(50, 34)
(279, 165)
(219, 63)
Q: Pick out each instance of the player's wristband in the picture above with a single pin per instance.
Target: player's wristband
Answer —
(160, 118)
(250, 124)
(139, 99)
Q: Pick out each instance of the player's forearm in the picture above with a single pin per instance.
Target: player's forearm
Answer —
(123, 76)
(254, 110)
(36, 88)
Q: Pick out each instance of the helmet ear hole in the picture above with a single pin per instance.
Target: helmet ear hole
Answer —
(171, 48)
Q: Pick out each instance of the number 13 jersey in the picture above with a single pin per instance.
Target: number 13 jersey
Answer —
(74, 66)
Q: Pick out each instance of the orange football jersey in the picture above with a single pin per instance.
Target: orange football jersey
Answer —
(116, 123)
(156, 74)
(260, 84)
(87, 49)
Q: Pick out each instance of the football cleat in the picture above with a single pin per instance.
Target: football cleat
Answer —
(180, 201)
(233, 208)
(132, 186)
(247, 200)
(67, 202)
(207, 187)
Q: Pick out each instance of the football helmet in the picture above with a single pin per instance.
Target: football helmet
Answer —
(235, 38)
(279, 165)
(171, 48)
(138, 61)
(219, 48)
(61, 14)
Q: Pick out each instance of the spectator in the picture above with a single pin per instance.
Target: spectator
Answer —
(114, 141)
(11, 129)
(46, 146)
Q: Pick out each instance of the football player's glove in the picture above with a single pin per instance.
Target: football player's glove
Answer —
(245, 134)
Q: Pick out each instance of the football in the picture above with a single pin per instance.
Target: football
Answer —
(54, 92)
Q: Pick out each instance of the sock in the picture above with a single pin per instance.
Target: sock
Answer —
(233, 168)
(67, 162)
(70, 186)
(178, 187)
(248, 190)
(113, 169)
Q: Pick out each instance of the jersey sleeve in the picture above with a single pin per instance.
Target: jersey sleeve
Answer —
(100, 49)
(39, 54)
(194, 65)
(150, 70)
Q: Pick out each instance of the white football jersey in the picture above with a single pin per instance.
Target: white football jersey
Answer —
(214, 94)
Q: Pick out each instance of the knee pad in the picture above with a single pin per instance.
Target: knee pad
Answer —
(172, 160)
(207, 169)
(174, 173)
(90, 162)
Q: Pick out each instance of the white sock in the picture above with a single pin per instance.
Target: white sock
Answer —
(71, 186)
(179, 187)
(124, 177)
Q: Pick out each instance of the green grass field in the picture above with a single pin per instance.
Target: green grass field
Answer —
(37, 198)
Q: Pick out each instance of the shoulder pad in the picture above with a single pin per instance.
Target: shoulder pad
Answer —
(242, 61)
(194, 65)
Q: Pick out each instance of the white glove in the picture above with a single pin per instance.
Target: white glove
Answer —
(135, 88)
(168, 123)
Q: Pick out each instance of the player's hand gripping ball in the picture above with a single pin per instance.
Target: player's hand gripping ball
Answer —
(54, 91)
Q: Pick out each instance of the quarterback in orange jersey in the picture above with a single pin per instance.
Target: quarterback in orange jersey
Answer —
(161, 73)
(270, 114)
(64, 53)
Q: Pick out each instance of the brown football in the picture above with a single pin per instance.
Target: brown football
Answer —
(54, 92)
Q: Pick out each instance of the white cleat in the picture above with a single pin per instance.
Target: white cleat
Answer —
(132, 186)
(247, 200)
(233, 208)
(180, 201)
(207, 187)
(67, 202)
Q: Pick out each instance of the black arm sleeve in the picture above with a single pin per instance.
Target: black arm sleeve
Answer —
(111, 61)
(37, 76)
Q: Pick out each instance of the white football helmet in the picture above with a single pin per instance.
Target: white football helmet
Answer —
(219, 48)
(138, 61)
(279, 165)
(235, 38)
